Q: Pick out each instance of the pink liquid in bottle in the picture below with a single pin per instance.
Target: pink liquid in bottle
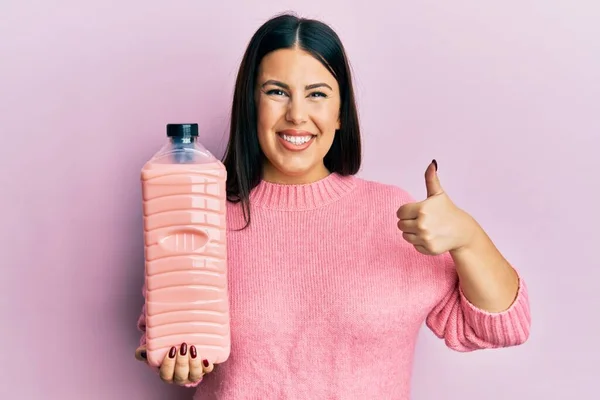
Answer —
(184, 200)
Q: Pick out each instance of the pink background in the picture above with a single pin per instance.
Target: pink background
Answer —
(505, 95)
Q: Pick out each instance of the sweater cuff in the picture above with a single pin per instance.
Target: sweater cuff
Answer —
(505, 328)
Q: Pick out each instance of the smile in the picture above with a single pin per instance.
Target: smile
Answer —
(296, 141)
(299, 140)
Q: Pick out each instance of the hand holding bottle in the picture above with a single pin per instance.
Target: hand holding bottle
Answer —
(181, 367)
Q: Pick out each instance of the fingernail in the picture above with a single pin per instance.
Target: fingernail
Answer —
(143, 354)
(193, 351)
(205, 363)
(183, 349)
(172, 352)
(434, 164)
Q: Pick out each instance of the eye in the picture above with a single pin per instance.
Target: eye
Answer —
(318, 94)
(275, 92)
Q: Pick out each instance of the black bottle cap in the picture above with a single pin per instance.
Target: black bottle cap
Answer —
(182, 130)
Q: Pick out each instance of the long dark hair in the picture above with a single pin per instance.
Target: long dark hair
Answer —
(243, 156)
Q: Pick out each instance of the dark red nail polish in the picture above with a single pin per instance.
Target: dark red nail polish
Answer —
(143, 354)
(183, 349)
(434, 164)
(193, 351)
(205, 363)
(172, 352)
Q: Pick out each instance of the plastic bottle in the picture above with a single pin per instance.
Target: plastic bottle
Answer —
(184, 200)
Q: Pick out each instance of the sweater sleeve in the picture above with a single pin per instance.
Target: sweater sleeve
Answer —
(464, 327)
(141, 326)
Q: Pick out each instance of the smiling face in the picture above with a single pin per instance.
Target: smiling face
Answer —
(298, 109)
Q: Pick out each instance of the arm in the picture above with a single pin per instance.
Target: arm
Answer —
(487, 305)
(486, 279)
(496, 312)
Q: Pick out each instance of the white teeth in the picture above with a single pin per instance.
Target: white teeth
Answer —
(298, 140)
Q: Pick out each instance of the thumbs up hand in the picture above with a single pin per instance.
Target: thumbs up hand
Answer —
(435, 225)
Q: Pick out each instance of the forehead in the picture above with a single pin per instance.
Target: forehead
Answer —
(293, 66)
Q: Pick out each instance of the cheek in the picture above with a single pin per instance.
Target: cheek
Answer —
(263, 123)
(268, 113)
(326, 118)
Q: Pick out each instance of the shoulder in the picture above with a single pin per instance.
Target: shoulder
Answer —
(382, 193)
(382, 200)
(377, 203)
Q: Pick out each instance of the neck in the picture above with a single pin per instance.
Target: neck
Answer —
(297, 197)
(273, 175)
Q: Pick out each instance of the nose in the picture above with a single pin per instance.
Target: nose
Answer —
(296, 112)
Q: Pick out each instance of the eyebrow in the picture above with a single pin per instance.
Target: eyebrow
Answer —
(307, 87)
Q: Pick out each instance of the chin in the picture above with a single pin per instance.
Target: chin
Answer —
(292, 173)
(295, 171)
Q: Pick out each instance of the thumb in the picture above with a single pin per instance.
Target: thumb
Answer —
(140, 354)
(432, 182)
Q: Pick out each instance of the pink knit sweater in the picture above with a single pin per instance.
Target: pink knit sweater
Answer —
(327, 299)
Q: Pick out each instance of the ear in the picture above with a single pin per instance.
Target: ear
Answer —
(338, 125)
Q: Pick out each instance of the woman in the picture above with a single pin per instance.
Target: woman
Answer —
(331, 276)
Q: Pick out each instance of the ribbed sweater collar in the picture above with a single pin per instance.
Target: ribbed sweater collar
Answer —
(302, 196)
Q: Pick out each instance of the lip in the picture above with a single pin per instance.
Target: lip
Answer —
(292, 147)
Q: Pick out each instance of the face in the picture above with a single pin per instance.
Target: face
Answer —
(298, 105)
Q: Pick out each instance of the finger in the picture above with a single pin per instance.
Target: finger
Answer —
(140, 354)
(422, 250)
(432, 182)
(412, 238)
(408, 211)
(408, 225)
(167, 368)
(196, 371)
(207, 366)
(182, 365)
